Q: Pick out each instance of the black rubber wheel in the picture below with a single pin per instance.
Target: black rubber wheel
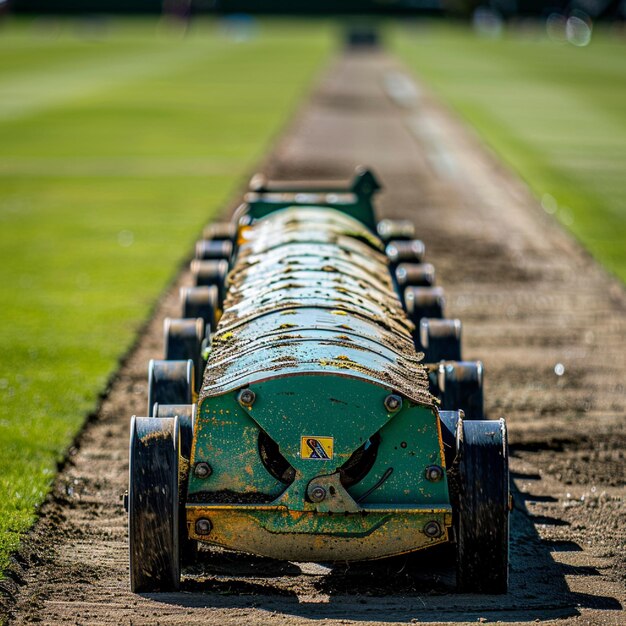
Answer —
(170, 382)
(422, 302)
(482, 525)
(415, 275)
(439, 339)
(211, 272)
(207, 249)
(186, 414)
(183, 339)
(398, 230)
(461, 387)
(409, 251)
(222, 230)
(153, 505)
(202, 302)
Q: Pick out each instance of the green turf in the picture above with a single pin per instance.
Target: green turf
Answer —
(556, 113)
(114, 151)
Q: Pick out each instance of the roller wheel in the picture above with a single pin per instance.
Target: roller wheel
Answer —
(223, 230)
(440, 340)
(186, 414)
(202, 302)
(415, 275)
(183, 340)
(482, 526)
(422, 302)
(170, 382)
(411, 251)
(210, 272)
(461, 387)
(214, 249)
(399, 230)
(153, 505)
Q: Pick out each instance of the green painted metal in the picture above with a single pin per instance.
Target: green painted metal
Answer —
(251, 510)
(228, 439)
(354, 200)
(348, 410)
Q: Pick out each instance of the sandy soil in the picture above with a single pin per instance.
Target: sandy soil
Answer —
(529, 298)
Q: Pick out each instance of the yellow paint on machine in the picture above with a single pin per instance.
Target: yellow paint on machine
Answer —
(311, 536)
(316, 448)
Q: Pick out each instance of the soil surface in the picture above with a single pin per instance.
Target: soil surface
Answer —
(549, 325)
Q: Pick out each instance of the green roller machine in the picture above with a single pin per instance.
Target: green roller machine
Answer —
(311, 403)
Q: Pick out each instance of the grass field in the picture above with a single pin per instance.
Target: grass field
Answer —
(116, 146)
(554, 112)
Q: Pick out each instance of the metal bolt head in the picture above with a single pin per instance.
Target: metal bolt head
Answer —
(203, 526)
(434, 473)
(246, 397)
(317, 494)
(393, 403)
(432, 529)
(202, 470)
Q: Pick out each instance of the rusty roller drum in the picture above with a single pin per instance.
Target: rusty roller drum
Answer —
(312, 329)
(316, 437)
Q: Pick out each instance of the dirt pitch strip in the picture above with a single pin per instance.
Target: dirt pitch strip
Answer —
(549, 325)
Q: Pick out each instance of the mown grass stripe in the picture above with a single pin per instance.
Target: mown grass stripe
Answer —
(47, 87)
(144, 167)
(554, 112)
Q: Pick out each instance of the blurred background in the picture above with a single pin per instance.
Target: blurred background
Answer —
(595, 9)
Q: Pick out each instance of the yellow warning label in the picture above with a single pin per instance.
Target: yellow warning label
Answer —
(316, 448)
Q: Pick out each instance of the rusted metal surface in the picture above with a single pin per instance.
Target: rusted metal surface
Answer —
(311, 290)
(296, 535)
